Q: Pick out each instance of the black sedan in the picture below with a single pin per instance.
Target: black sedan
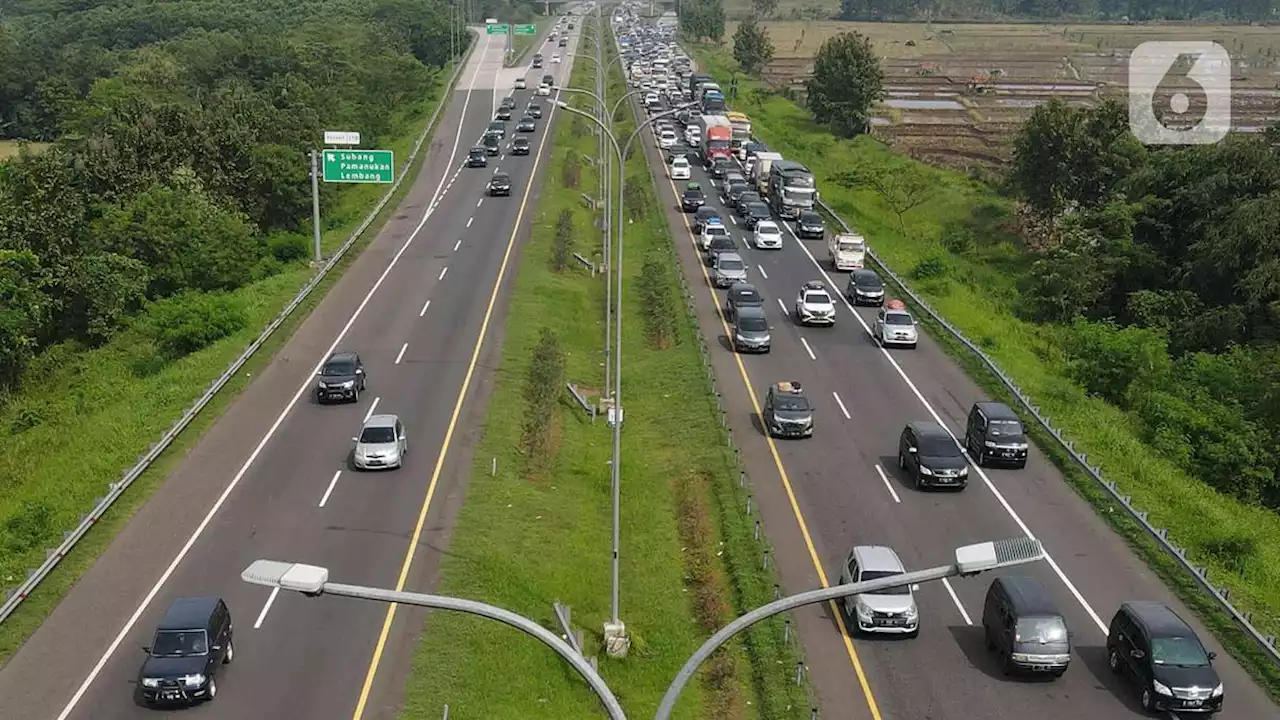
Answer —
(500, 184)
(810, 226)
(520, 146)
(755, 212)
(719, 167)
(477, 158)
(526, 124)
(692, 198)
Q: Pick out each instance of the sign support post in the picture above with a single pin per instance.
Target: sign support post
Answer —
(315, 203)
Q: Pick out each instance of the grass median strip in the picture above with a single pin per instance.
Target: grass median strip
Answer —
(538, 530)
(974, 286)
(102, 408)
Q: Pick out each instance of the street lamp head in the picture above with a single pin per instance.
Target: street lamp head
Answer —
(974, 559)
(306, 579)
(562, 105)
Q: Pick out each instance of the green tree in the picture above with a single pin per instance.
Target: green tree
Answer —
(847, 80)
(21, 312)
(764, 8)
(903, 185)
(752, 47)
(702, 19)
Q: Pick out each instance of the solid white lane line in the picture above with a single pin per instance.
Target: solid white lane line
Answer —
(443, 270)
(372, 407)
(763, 274)
(1048, 558)
(457, 245)
(329, 491)
(888, 485)
(783, 306)
(956, 599)
(424, 309)
(808, 349)
(400, 355)
(244, 469)
(840, 402)
(263, 615)
(470, 220)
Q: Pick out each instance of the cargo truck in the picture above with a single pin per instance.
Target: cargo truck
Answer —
(713, 103)
(791, 188)
(760, 171)
(695, 80)
(741, 128)
(847, 251)
(716, 134)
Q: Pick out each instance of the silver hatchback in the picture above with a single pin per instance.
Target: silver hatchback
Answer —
(728, 269)
(382, 444)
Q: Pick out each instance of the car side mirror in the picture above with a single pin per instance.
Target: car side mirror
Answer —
(319, 374)
(146, 649)
(359, 371)
(355, 439)
(915, 587)
(911, 450)
(1137, 654)
(217, 648)
(1213, 655)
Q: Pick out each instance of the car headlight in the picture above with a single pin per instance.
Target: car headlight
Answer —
(1020, 446)
(864, 612)
(925, 471)
(912, 613)
(1161, 687)
(348, 384)
(989, 443)
(193, 680)
(964, 472)
(155, 682)
(1217, 692)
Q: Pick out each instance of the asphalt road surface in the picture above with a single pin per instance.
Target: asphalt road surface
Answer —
(423, 305)
(821, 496)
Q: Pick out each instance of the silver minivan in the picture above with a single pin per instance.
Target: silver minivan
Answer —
(891, 611)
(728, 268)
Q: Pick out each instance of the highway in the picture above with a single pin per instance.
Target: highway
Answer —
(819, 497)
(423, 305)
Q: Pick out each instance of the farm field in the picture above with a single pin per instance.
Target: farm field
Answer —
(956, 93)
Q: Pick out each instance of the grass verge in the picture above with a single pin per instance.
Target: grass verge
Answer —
(538, 530)
(976, 290)
(103, 412)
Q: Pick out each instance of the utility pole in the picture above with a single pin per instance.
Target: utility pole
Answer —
(315, 203)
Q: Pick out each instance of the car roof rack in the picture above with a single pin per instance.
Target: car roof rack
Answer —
(790, 386)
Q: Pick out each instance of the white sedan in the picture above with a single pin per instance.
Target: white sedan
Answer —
(679, 170)
(667, 139)
(767, 235)
(555, 58)
(544, 90)
(520, 83)
(692, 137)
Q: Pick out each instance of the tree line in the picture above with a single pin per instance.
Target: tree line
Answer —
(1159, 267)
(1110, 10)
(179, 132)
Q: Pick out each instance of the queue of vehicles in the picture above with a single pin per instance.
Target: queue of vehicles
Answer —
(1147, 642)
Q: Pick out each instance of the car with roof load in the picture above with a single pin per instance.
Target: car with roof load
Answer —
(787, 412)
(713, 231)
(895, 327)
(692, 198)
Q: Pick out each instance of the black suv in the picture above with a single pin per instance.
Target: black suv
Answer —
(865, 288)
(537, 61)
(497, 127)
(476, 158)
(1153, 647)
(534, 111)
(492, 144)
(341, 378)
(994, 434)
(933, 459)
(787, 412)
(719, 167)
(755, 212)
(520, 146)
(692, 198)
(731, 191)
(809, 226)
(500, 184)
(549, 80)
(191, 644)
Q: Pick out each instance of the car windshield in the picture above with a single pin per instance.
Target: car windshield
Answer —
(897, 319)
(501, 179)
(378, 435)
(716, 231)
(767, 229)
(180, 643)
(718, 144)
(746, 297)
(338, 369)
(730, 264)
(810, 219)
(758, 210)
(753, 324)
(937, 447)
(1040, 630)
(1006, 427)
(1180, 651)
(817, 298)
(792, 403)
(869, 281)
(880, 574)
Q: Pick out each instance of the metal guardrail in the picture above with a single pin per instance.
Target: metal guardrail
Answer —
(15, 596)
(1161, 535)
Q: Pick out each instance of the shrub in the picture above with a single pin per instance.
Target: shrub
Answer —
(659, 309)
(541, 391)
(289, 247)
(636, 200)
(562, 249)
(185, 323)
(929, 268)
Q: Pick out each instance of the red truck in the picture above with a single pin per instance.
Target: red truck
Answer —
(717, 138)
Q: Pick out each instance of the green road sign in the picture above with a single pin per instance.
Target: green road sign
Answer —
(496, 29)
(526, 29)
(359, 166)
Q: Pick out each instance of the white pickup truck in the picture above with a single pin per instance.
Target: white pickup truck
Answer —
(847, 251)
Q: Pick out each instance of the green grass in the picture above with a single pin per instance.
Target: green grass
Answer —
(977, 293)
(102, 412)
(523, 542)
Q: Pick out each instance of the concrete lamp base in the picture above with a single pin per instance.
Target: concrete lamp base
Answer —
(616, 641)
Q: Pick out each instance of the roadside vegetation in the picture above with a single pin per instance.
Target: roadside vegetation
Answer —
(538, 530)
(1128, 290)
(161, 222)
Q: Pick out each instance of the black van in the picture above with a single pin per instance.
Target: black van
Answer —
(1154, 648)
(1024, 627)
(192, 642)
(994, 435)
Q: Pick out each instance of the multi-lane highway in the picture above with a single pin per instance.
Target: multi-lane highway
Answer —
(272, 479)
(819, 497)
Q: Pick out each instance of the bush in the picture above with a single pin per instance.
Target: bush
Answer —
(655, 293)
(1108, 361)
(541, 391)
(636, 200)
(289, 247)
(185, 323)
(562, 249)
(571, 169)
(929, 268)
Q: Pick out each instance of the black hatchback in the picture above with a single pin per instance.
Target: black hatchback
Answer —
(865, 288)
(755, 212)
(192, 642)
(520, 146)
(692, 198)
(500, 184)
(477, 158)
(809, 226)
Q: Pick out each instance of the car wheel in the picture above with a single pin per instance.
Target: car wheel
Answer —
(355, 395)
(919, 484)
(213, 688)
(1006, 663)
(1113, 661)
(231, 653)
(902, 461)
(1148, 700)
(982, 458)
